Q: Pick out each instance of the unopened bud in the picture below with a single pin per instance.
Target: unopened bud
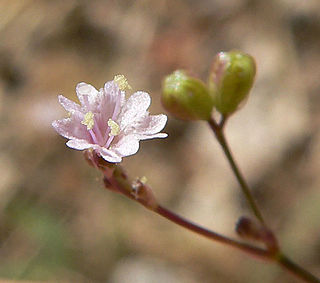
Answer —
(230, 80)
(143, 194)
(186, 98)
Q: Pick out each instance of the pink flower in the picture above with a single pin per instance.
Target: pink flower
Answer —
(108, 123)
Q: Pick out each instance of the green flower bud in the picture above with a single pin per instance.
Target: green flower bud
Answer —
(231, 79)
(186, 98)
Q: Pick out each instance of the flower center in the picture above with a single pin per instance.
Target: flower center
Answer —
(122, 82)
(114, 127)
(88, 120)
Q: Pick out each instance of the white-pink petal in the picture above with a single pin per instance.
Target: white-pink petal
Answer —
(112, 100)
(154, 136)
(125, 145)
(134, 109)
(68, 104)
(152, 124)
(113, 92)
(109, 155)
(61, 126)
(71, 128)
(79, 144)
(87, 94)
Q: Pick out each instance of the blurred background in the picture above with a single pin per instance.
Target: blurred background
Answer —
(58, 223)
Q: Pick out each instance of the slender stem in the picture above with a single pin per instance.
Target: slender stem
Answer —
(265, 254)
(257, 252)
(296, 270)
(223, 121)
(279, 259)
(218, 131)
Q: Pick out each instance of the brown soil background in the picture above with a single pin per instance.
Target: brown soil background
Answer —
(57, 223)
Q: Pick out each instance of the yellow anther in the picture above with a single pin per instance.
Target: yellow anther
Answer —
(114, 127)
(122, 82)
(70, 113)
(88, 120)
(143, 180)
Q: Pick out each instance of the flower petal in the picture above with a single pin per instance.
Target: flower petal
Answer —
(134, 109)
(68, 104)
(106, 154)
(71, 128)
(125, 145)
(151, 124)
(78, 144)
(62, 127)
(115, 95)
(109, 155)
(88, 95)
(155, 136)
(110, 105)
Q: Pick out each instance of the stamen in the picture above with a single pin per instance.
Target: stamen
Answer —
(88, 120)
(93, 136)
(114, 127)
(122, 82)
(143, 179)
(70, 113)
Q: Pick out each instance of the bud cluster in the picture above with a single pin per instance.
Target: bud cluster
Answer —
(230, 80)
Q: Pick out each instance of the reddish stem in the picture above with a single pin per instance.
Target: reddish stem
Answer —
(258, 252)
